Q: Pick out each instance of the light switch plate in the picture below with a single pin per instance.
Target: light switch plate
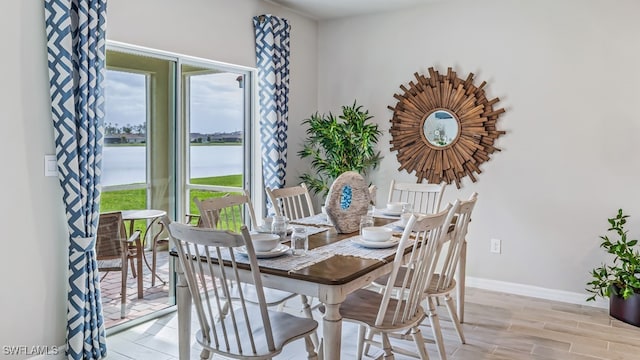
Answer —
(50, 165)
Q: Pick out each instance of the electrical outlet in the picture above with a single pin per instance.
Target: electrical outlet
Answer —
(496, 246)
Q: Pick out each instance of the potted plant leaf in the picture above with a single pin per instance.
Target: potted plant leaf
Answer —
(336, 145)
(620, 281)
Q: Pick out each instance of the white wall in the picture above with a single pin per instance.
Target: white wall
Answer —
(567, 74)
(34, 262)
(32, 304)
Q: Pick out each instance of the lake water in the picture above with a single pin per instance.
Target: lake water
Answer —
(126, 164)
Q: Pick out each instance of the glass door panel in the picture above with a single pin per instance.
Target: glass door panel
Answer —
(136, 172)
(215, 111)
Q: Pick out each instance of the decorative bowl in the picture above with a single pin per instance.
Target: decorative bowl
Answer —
(265, 242)
(396, 206)
(376, 233)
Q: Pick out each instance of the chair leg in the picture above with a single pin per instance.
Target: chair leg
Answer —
(307, 311)
(435, 327)
(359, 348)
(320, 350)
(205, 354)
(133, 268)
(308, 342)
(416, 334)
(454, 317)
(386, 347)
(123, 290)
(367, 345)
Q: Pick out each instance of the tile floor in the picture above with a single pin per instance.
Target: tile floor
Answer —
(497, 326)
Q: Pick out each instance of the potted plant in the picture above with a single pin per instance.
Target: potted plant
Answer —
(336, 145)
(620, 281)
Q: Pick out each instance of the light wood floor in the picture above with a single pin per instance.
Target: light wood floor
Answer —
(497, 326)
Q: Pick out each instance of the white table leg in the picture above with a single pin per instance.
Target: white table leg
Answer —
(462, 273)
(332, 331)
(183, 298)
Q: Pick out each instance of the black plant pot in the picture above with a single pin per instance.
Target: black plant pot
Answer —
(625, 310)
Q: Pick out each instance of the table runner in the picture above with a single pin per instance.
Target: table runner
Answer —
(318, 220)
(311, 229)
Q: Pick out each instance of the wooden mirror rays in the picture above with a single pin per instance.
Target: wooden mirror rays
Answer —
(458, 156)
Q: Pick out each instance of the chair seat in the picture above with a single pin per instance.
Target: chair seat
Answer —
(285, 327)
(362, 307)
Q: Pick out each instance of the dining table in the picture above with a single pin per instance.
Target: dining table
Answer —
(335, 266)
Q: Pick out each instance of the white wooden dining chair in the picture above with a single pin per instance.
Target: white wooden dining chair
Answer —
(424, 198)
(398, 309)
(250, 330)
(443, 284)
(294, 202)
(227, 213)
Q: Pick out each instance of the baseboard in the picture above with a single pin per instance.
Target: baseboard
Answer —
(536, 291)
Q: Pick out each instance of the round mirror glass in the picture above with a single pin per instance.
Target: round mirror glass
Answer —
(441, 128)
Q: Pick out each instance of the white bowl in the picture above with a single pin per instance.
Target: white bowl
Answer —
(376, 233)
(265, 242)
(396, 206)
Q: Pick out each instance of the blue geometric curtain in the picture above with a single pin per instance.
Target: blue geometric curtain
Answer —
(272, 58)
(76, 32)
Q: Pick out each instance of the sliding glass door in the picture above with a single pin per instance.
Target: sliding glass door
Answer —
(176, 127)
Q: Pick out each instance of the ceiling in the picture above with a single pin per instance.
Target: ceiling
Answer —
(332, 9)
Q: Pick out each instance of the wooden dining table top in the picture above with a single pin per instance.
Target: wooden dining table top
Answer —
(335, 270)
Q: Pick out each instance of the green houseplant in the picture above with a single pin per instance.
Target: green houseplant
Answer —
(620, 281)
(336, 145)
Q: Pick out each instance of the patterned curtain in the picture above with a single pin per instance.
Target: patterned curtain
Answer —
(76, 32)
(272, 58)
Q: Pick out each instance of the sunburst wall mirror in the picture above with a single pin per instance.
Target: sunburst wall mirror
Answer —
(444, 127)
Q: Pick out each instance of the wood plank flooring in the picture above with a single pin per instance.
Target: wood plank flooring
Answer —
(497, 326)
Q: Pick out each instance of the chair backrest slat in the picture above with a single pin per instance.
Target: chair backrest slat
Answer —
(228, 212)
(424, 198)
(293, 202)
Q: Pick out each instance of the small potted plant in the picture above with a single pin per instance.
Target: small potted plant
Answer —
(620, 281)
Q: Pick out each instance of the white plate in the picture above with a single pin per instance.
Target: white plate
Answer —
(268, 231)
(390, 212)
(376, 244)
(277, 251)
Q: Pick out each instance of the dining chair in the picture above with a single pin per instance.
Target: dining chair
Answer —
(424, 198)
(294, 202)
(226, 213)
(114, 251)
(443, 284)
(250, 330)
(397, 309)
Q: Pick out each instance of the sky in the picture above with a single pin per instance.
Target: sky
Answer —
(216, 101)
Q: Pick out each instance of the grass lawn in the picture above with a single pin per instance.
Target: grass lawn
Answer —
(137, 199)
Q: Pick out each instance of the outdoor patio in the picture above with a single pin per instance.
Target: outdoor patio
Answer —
(155, 297)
